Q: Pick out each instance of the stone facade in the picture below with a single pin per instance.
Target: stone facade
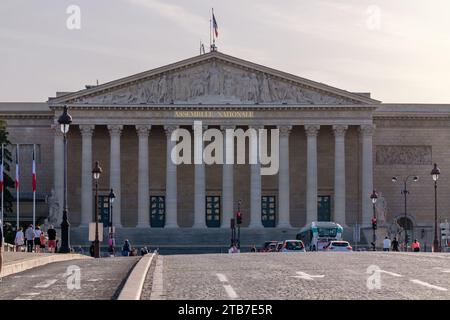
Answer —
(338, 144)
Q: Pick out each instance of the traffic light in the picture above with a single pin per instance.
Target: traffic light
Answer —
(238, 218)
(374, 223)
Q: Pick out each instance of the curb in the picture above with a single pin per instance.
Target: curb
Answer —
(134, 284)
(17, 267)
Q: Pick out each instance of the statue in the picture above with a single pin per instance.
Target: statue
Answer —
(53, 209)
(265, 92)
(381, 209)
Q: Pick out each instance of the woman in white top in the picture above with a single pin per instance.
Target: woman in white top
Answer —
(19, 240)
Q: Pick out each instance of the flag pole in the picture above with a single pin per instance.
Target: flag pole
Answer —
(17, 188)
(3, 184)
(34, 186)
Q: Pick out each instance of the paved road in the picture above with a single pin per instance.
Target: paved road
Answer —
(301, 276)
(99, 279)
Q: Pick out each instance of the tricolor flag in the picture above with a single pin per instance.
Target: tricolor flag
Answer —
(16, 180)
(1, 173)
(215, 26)
(34, 173)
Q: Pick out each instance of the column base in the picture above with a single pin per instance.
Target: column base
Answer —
(199, 226)
(143, 226)
(255, 226)
(171, 226)
(117, 225)
(285, 225)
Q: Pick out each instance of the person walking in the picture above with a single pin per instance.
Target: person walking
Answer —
(395, 244)
(416, 246)
(253, 249)
(19, 240)
(144, 251)
(92, 249)
(43, 241)
(37, 239)
(29, 236)
(126, 249)
(51, 232)
(386, 244)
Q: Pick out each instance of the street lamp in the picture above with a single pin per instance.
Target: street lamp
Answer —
(435, 175)
(374, 198)
(64, 120)
(111, 197)
(96, 172)
(405, 192)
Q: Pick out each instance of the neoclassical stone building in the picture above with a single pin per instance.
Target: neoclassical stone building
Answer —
(336, 146)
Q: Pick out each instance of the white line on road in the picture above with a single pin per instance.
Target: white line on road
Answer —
(391, 273)
(305, 276)
(45, 284)
(228, 288)
(428, 285)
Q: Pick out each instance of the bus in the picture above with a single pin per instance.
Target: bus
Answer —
(316, 235)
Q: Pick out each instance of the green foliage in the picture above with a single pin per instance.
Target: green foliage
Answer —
(8, 181)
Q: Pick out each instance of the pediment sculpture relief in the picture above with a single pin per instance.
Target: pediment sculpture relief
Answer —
(216, 84)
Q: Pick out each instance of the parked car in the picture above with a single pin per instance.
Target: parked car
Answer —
(270, 246)
(293, 246)
(279, 246)
(341, 246)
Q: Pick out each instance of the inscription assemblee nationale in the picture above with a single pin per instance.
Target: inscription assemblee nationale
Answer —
(214, 114)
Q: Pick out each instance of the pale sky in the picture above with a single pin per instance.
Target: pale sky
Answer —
(399, 50)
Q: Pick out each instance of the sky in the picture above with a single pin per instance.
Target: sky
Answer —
(399, 50)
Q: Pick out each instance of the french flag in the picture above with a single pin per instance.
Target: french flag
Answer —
(34, 172)
(16, 180)
(215, 26)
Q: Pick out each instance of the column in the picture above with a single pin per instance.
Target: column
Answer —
(366, 132)
(58, 174)
(311, 174)
(339, 174)
(143, 177)
(171, 181)
(86, 174)
(227, 178)
(283, 179)
(114, 171)
(199, 180)
(255, 185)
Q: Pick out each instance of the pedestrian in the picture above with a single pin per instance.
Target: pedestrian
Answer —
(37, 239)
(80, 250)
(19, 240)
(126, 248)
(144, 251)
(133, 252)
(29, 236)
(395, 244)
(43, 241)
(253, 249)
(51, 239)
(416, 246)
(92, 249)
(386, 244)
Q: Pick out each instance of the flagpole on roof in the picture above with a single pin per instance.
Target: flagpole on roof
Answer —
(17, 188)
(214, 38)
(3, 184)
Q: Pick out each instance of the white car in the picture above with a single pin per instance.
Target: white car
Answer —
(293, 246)
(339, 246)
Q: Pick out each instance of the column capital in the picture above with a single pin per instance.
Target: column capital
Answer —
(169, 128)
(204, 126)
(312, 130)
(227, 126)
(339, 130)
(86, 129)
(143, 129)
(115, 129)
(367, 130)
(256, 126)
(284, 130)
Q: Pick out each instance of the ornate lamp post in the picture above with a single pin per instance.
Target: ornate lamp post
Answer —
(96, 172)
(111, 197)
(435, 175)
(374, 198)
(405, 192)
(64, 120)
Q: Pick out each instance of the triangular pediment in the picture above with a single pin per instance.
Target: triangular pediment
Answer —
(212, 78)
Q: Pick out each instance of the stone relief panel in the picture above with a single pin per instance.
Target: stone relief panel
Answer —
(214, 83)
(403, 155)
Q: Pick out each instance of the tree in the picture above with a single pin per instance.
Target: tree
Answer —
(8, 182)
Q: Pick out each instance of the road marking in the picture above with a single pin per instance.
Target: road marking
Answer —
(228, 288)
(442, 269)
(230, 291)
(428, 285)
(305, 276)
(222, 277)
(391, 273)
(157, 285)
(45, 284)
(31, 294)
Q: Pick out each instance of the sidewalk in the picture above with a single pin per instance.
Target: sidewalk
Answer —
(14, 262)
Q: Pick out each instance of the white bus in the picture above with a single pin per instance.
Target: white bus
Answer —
(316, 235)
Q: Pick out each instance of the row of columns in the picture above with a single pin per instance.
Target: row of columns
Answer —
(311, 131)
